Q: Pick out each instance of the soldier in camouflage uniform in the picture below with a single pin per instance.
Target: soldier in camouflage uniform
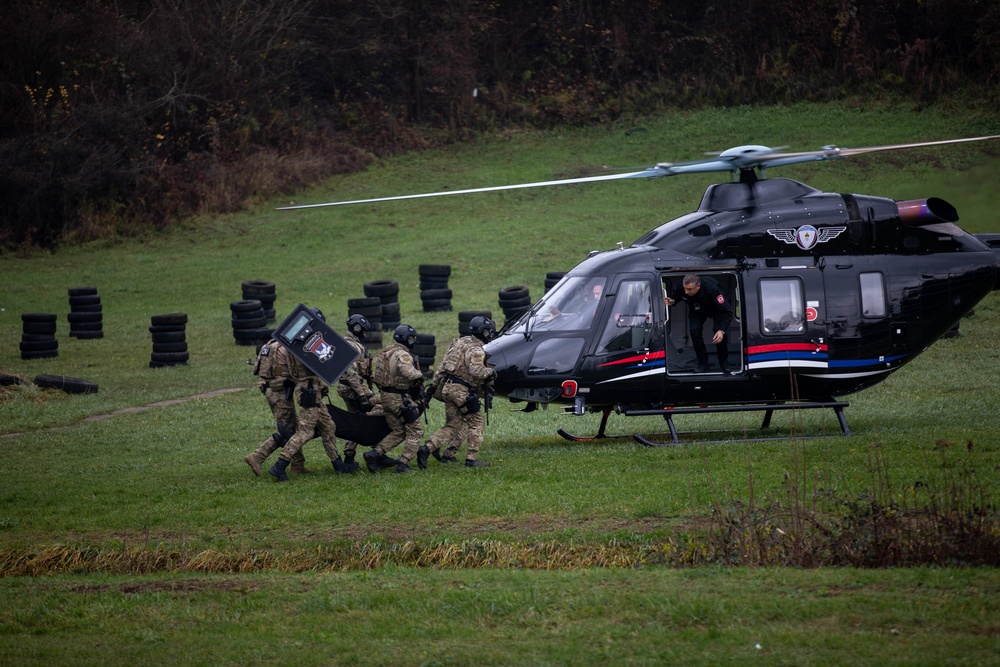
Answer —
(272, 369)
(400, 383)
(461, 383)
(354, 385)
(313, 419)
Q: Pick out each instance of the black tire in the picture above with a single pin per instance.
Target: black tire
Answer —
(434, 269)
(86, 326)
(172, 357)
(424, 349)
(90, 308)
(423, 339)
(367, 311)
(390, 309)
(467, 315)
(364, 302)
(430, 282)
(74, 318)
(38, 317)
(507, 304)
(83, 335)
(167, 328)
(425, 362)
(38, 345)
(373, 337)
(160, 348)
(84, 300)
(39, 328)
(82, 291)
(432, 294)
(248, 323)
(169, 318)
(67, 384)
(44, 354)
(10, 380)
(514, 292)
(169, 337)
(252, 336)
(428, 304)
(381, 288)
(33, 337)
(258, 288)
(245, 306)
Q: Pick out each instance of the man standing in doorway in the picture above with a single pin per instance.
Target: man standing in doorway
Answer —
(705, 299)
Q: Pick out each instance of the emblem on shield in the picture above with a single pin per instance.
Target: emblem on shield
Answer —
(319, 347)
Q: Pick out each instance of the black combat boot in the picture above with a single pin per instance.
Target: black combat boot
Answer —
(402, 467)
(278, 470)
(422, 455)
(437, 454)
(372, 460)
(386, 461)
(339, 466)
(349, 464)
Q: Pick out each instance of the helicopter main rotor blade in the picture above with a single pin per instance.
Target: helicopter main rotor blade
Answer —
(652, 172)
(832, 152)
(734, 160)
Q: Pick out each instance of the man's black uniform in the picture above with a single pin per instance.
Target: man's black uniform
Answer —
(708, 302)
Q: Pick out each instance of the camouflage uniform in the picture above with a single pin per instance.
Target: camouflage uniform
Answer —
(399, 378)
(460, 383)
(353, 389)
(313, 419)
(272, 369)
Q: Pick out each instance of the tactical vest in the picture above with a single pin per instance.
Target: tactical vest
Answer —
(267, 359)
(455, 361)
(382, 366)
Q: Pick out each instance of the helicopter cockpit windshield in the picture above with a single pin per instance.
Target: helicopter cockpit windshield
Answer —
(569, 306)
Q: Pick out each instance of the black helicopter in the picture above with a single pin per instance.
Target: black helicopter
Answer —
(830, 292)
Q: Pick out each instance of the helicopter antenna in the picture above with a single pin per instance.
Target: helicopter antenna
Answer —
(743, 162)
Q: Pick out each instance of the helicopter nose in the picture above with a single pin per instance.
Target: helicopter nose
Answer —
(498, 360)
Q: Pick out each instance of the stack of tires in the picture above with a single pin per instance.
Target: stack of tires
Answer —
(38, 337)
(465, 316)
(249, 322)
(169, 340)
(514, 301)
(263, 291)
(387, 292)
(434, 292)
(86, 319)
(552, 278)
(371, 308)
(424, 350)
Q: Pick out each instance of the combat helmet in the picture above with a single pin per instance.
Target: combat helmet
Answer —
(482, 328)
(405, 335)
(358, 325)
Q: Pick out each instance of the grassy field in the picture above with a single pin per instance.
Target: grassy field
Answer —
(132, 534)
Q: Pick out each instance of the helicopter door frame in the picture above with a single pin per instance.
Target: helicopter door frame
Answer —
(679, 355)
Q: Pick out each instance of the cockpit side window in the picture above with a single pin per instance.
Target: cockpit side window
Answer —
(630, 320)
(782, 308)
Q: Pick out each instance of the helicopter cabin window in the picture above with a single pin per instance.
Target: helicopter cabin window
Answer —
(555, 356)
(569, 306)
(630, 321)
(872, 295)
(782, 306)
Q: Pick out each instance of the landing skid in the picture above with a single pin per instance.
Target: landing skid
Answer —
(601, 435)
(675, 436)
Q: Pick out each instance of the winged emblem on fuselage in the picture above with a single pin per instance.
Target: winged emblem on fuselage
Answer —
(807, 236)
